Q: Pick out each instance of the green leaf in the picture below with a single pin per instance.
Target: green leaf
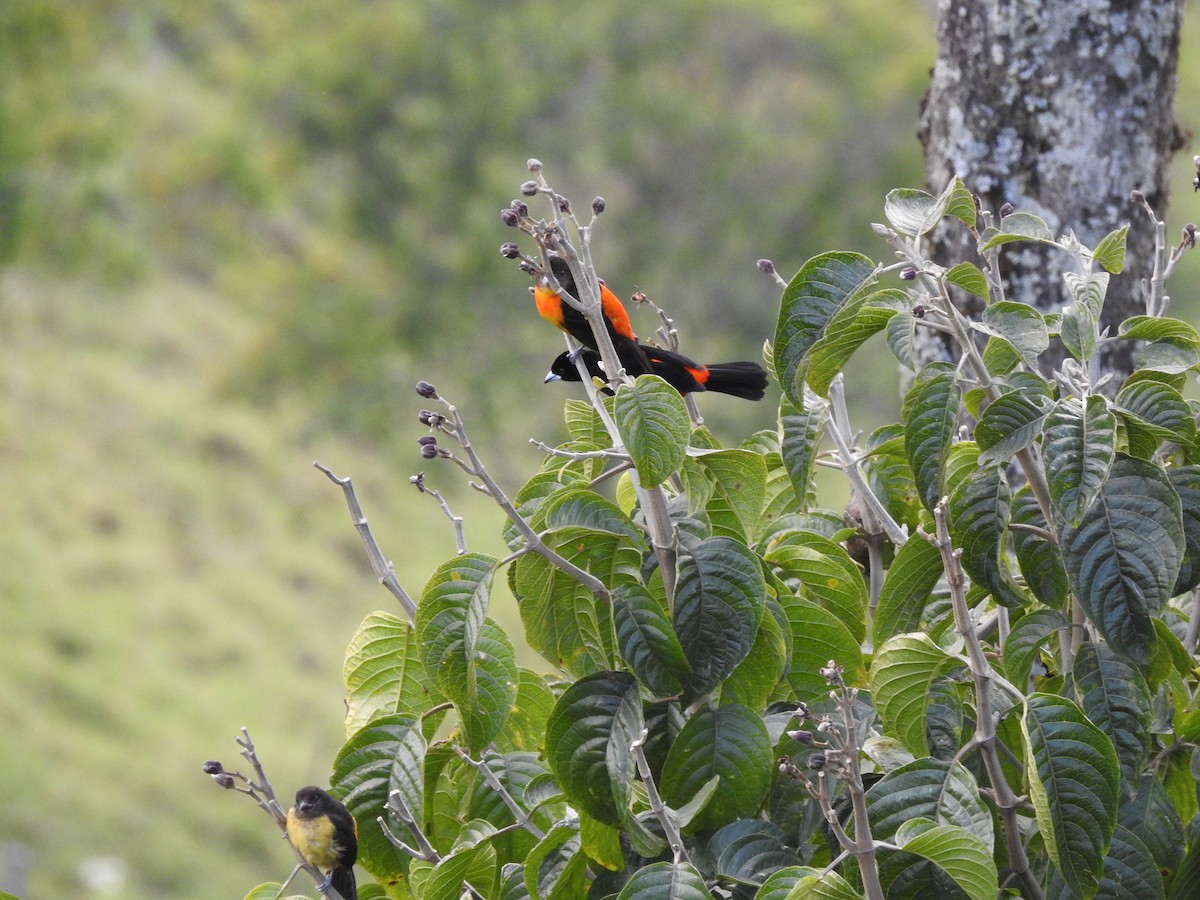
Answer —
(719, 602)
(1186, 481)
(900, 334)
(802, 430)
(1025, 642)
(388, 755)
(819, 884)
(654, 427)
(1039, 558)
(739, 481)
(1124, 557)
(886, 469)
(1018, 226)
(383, 672)
(1010, 423)
(729, 742)
(577, 506)
(754, 680)
(823, 286)
(1114, 696)
(942, 791)
(930, 414)
(473, 864)
(901, 673)
(748, 850)
(1157, 408)
(913, 212)
(1152, 816)
(906, 588)
(585, 425)
(848, 330)
(579, 741)
(955, 850)
(1080, 330)
(970, 278)
(1020, 325)
(1157, 328)
(1079, 448)
(817, 637)
(664, 881)
(556, 869)
(1110, 252)
(470, 657)
(1088, 290)
(648, 642)
(1074, 782)
(979, 509)
(828, 574)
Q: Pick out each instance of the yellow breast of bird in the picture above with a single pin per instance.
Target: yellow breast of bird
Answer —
(314, 839)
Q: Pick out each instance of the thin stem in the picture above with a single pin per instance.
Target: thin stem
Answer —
(380, 565)
(670, 829)
(520, 814)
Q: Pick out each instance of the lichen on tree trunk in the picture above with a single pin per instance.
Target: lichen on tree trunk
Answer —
(1061, 109)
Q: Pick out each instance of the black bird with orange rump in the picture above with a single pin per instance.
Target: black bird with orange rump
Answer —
(747, 380)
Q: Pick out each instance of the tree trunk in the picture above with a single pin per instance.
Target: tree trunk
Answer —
(1061, 109)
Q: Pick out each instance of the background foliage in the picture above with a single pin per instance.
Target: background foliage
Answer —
(233, 235)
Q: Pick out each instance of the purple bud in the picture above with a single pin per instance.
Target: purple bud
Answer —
(817, 761)
(429, 451)
(432, 419)
(213, 767)
(426, 439)
(919, 311)
(1136, 196)
(224, 780)
(766, 266)
(801, 737)
(534, 165)
(529, 189)
(509, 250)
(520, 206)
(564, 205)
(1007, 210)
(510, 217)
(908, 273)
(1189, 235)
(426, 390)
(598, 206)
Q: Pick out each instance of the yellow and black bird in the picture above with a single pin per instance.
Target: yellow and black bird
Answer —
(326, 835)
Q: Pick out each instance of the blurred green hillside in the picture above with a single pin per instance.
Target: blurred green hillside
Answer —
(234, 235)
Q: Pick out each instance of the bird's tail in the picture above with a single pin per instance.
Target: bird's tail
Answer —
(739, 379)
(343, 882)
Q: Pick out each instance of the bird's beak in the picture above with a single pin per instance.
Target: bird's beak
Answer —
(550, 376)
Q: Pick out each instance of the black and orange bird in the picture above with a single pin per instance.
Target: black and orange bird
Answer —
(326, 835)
(739, 379)
(573, 322)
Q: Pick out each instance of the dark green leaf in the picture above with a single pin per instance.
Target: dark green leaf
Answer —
(1152, 816)
(1026, 640)
(1018, 226)
(846, 332)
(719, 601)
(1115, 697)
(729, 742)
(930, 415)
(1186, 481)
(822, 287)
(978, 524)
(817, 637)
(1129, 870)
(739, 482)
(1039, 559)
(1074, 782)
(654, 426)
(1020, 325)
(828, 574)
(749, 850)
(664, 881)
(958, 852)
(1124, 557)
(556, 869)
(1158, 408)
(1079, 448)
(906, 588)
(648, 643)
(1010, 423)
(969, 277)
(802, 430)
(901, 672)
(1110, 252)
(754, 680)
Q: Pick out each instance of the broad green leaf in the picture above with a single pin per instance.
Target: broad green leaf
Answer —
(473, 865)
(579, 507)
(648, 642)
(847, 331)
(913, 212)
(886, 469)
(754, 680)
(1186, 481)
(1010, 423)
(1157, 408)
(802, 431)
(1020, 325)
(526, 726)
(654, 427)
(1129, 869)
(515, 772)
(1038, 557)
(729, 742)
(1114, 696)
(955, 850)
(944, 792)
(1124, 557)
(579, 741)
(900, 333)
(906, 588)
(970, 278)
(823, 286)
(383, 672)
(818, 884)
(585, 425)
(901, 672)
(1110, 252)
(601, 843)
(1018, 226)
(1025, 642)
(978, 525)
(470, 657)
(1158, 328)
(556, 868)
(1088, 290)
(1074, 783)
(664, 881)
(1079, 448)
(719, 602)
(817, 637)
(1080, 330)
(739, 482)
(388, 755)
(930, 414)
(748, 850)
(828, 574)
(1152, 816)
